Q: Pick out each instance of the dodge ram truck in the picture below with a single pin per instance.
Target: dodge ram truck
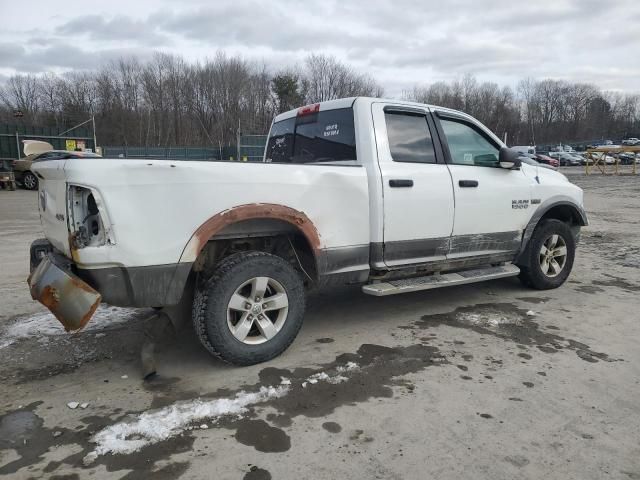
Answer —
(390, 195)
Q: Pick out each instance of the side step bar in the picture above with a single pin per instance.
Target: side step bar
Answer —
(437, 281)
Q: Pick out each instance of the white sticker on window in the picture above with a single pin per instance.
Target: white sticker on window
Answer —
(331, 130)
(468, 158)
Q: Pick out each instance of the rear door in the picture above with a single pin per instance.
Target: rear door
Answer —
(417, 193)
(492, 203)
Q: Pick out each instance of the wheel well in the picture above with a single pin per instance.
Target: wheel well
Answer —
(273, 236)
(565, 213)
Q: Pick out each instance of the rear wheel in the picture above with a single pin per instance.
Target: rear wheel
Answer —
(550, 256)
(30, 181)
(251, 309)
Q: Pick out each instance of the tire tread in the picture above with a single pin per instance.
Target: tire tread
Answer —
(212, 339)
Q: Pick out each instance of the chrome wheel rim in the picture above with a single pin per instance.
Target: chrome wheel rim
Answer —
(257, 310)
(553, 256)
(29, 181)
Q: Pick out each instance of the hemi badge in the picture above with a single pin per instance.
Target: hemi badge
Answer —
(535, 201)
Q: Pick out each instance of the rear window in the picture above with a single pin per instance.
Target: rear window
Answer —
(321, 137)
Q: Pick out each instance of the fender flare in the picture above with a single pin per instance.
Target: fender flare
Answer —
(251, 211)
(228, 217)
(578, 212)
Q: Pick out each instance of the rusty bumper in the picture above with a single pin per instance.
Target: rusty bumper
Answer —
(70, 299)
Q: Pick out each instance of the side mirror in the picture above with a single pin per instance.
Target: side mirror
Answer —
(509, 159)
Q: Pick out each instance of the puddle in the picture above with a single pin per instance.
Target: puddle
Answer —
(508, 322)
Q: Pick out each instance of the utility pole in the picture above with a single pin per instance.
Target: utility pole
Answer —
(18, 114)
(95, 143)
(238, 141)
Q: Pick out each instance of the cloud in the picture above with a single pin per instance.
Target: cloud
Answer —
(115, 29)
(62, 56)
(401, 43)
(280, 28)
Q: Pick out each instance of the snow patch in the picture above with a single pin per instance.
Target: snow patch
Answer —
(487, 319)
(158, 425)
(313, 379)
(155, 426)
(335, 379)
(350, 366)
(45, 324)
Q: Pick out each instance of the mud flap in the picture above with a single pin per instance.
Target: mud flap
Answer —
(71, 300)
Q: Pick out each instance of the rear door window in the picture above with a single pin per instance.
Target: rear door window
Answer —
(409, 137)
(319, 137)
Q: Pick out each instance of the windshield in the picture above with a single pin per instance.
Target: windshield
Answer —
(320, 137)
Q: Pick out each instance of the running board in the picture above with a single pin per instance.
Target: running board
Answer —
(437, 281)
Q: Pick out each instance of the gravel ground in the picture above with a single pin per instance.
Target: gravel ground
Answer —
(481, 381)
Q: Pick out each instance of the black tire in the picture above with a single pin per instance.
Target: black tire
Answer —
(531, 274)
(212, 299)
(29, 181)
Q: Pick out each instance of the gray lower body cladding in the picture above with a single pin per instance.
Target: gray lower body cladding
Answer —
(149, 286)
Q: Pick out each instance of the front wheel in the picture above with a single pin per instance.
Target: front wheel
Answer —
(550, 256)
(251, 308)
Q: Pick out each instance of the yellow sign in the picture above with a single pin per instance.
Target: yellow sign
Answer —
(71, 145)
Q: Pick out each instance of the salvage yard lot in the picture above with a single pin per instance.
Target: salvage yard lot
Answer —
(483, 381)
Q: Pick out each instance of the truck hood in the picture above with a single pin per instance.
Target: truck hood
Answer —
(546, 175)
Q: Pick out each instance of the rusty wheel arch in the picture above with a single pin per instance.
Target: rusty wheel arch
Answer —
(222, 220)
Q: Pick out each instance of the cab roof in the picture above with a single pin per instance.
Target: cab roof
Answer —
(350, 101)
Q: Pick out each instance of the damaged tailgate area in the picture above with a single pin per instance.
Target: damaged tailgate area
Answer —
(70, 299)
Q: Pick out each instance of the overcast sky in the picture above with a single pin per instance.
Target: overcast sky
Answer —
(400, 42)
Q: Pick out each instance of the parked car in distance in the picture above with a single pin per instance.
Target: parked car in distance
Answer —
(524, 149)
(565, 159)
(608, 159)
(547, 160)
(22, 167)
(530, 160)
(628, 158)
(631, 141)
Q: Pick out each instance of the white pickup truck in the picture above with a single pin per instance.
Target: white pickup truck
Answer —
(390, 195)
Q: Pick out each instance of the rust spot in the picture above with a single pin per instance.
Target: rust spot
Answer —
(49, 297)
(85, 319)
(73, 248)
(253, 211)
(76, 282)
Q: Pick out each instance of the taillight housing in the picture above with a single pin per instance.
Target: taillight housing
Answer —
(308, 109)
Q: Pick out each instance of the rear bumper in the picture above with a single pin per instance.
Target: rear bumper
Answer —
(71, 300)
(148, 286)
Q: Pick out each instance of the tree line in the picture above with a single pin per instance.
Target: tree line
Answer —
(539, 112)
(167, 101)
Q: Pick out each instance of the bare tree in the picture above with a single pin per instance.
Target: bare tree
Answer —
(167, 102)
(326, 78)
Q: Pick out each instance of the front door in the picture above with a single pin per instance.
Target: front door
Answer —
(492, 203)
(417, 192)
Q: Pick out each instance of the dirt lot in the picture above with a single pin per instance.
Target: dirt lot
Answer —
(487, 381)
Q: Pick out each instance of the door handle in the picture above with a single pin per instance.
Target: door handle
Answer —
(396, 183)
(468, 183)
